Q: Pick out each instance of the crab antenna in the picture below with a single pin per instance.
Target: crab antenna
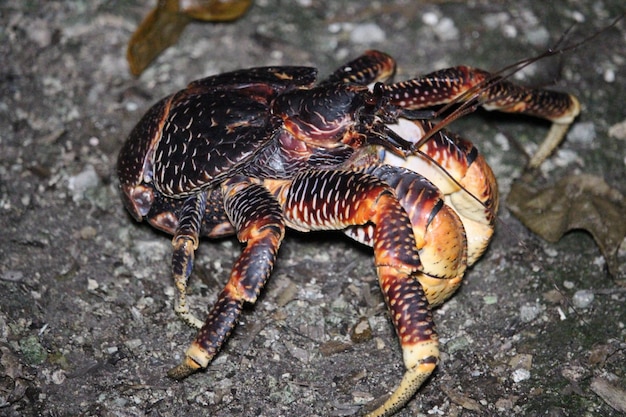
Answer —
(466, 108)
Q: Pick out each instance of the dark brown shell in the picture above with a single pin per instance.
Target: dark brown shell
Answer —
(203, 133)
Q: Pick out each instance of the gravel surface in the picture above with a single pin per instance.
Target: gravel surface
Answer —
(86, 320)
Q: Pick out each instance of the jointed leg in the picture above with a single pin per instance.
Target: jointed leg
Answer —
(339, 199)
(439, 233)
(185, 243)
(493, 93)
(407, 304)
(258, 221)
(412, 319)
(372, 66)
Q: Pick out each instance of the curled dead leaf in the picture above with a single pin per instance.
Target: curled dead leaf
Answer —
(576, 202)
(162, 27)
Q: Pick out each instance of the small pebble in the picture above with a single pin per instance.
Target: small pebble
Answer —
(457, 344)
(58, 377)
(582, 298)
(430, 18)
(92, 284)
(446, 30)
(40, 33)
(529, 313)
(538, 36)
(131, 106)
(297, 352)
(568, 284)
(83, 181)
(367, 33)
(380, 343)
(520, 375)
(490, 299)
(504, 404)
(574, 373)
(88, 232)
(133, 344)
(521, 361)
(583, 132)
(12, 276)
(618, 130)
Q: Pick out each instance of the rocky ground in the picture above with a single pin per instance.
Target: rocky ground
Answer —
(86, 320)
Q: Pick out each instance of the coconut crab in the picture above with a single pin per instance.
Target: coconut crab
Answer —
(253, 152)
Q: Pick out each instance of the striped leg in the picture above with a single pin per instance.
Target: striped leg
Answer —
(438, 230)
(372, 66)
(185, 243)
(493, 93)
(258, 220)
(460, 172)
(339, 199)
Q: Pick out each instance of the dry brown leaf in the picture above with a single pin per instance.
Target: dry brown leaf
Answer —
(576, 202)
(163, 25)
(612, 395)
(461, 399)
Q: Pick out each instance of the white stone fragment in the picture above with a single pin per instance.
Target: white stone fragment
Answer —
(582, 298)
(92, 284)
(83, 181)
(367, 33)
(583, 132)
(529, 312)
(520, 375)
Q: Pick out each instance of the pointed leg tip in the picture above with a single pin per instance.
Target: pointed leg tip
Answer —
(183, 370)
(411, 382)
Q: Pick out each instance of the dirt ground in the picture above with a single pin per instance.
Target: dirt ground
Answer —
(86, 320)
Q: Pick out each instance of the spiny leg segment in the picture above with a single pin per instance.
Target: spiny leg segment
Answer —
(371, 66)
(259, 223)
(438, 230)
(324, 200)
(465, 84)
(185, 242)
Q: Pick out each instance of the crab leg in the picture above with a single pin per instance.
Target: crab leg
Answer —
(185, 243)
(259, 223)
(493, 93)
(334, 200)
(460, 172)
(438, 230)
(464, 84)
(372, 66)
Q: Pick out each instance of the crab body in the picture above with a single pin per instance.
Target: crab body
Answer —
(253, 152)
